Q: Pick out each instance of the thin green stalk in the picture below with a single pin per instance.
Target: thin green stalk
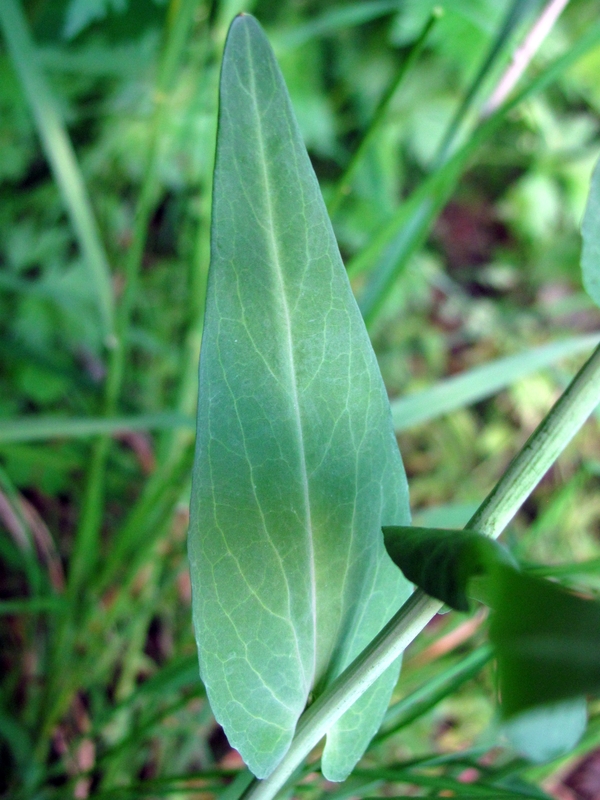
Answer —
(343, 185)
(541, 450)
(61, 156)
(409, 227)
(522, 476)
(514, 16)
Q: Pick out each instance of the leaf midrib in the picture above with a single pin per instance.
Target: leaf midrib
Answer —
(281, 293)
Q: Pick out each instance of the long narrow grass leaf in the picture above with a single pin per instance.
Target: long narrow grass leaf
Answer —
(59, 151)
(35, 429)
(343, 185)
(344, 16)
(33, 605)
(400, 238)
(426, 697)
(514, 16)
(482, 382)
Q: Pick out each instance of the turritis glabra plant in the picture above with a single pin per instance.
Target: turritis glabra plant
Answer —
(301, 613)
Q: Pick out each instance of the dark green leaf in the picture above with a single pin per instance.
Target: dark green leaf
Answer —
(547, 642)
(296, 465)
(442, 562)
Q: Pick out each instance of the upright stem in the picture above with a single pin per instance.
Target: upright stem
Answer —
(522, 476)
(343, 185)
(524, 54)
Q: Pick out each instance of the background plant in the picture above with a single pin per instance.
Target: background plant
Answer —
(102, 690)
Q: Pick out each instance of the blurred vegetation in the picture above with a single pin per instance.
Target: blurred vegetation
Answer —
(104, 258)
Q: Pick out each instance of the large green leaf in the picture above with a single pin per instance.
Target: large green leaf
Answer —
(590, 231)
(296, 463)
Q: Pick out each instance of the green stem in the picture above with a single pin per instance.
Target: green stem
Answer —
(541, 450)
(522, 476)
(514, 16)
(343, 185)
(398, 239)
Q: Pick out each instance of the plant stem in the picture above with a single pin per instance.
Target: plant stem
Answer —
(514, 16)
(524, 54)
(541, 450)
(343, 186)
(522, 476)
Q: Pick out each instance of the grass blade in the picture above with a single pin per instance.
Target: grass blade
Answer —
(426, 697)
(400, 238)
(33, 605)
(344, 16)
(34, 429)
(343, 186)
(516, 13)
(59, 151)
(482, 382)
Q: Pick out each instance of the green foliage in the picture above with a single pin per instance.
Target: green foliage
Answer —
(481, 327)
(443, 562)
(549, 731)
(294, 432)
(546, 640)
(81, 13)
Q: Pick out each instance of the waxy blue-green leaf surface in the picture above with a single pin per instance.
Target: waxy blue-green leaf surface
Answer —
(590, 231)
(296, 464)
(543, 733)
